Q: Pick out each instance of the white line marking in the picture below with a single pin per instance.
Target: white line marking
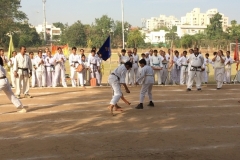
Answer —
(124, 152)
(119, 132)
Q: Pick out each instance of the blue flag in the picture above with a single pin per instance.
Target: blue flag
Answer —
(105, 50)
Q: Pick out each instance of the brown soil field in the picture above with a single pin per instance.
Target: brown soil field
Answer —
(73, 123)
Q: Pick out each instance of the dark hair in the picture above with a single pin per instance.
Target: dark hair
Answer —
(123, 50)
(185, 52)
(128, 64)
(94, 48)
(1, 61)
(143, 54)
(22, 47)
(83, 56)
(228, 52)
(207, 54)
(39, 52)
(13, 52)
(214, 53)
(93, 51)
(1, 50)
(30, 53)
(81, 50)
(74, 48)
(59, 48)
(143, 61)
(155, 51)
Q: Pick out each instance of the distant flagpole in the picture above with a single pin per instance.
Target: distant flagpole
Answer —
(123, 24)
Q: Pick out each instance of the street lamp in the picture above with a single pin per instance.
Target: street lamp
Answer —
(123, 25)
(44, 21)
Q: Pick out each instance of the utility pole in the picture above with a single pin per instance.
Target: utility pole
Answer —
(123, 30)
(44, 22)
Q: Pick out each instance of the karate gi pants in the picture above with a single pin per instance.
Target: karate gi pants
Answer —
(116, 87)
(81, 77)
(183, 75)
(176, 75)
(159, 79)
(164, 76)
(73, 75)
(41, 78)
(227, 75)
(146, 88)
(205, 76)
(134, 73)
(191, 78)
(59, 70)
(129, 77)
(5, 87)
(22, 80)
(219, 76)
(50, 78)
(34, 78)
(13, 79)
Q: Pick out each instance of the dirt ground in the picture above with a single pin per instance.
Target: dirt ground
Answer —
(73, 123)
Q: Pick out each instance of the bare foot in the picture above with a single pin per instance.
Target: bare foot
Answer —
(111, 109)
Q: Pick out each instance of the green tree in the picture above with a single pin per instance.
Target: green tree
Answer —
(74, 35)
(215, 30)
(233, 32)
(135, 39)
(10, 18)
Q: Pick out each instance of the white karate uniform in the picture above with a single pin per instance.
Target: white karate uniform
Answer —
(5, 87)
(156, 61)
(130, 73)
(10, 64)
(205, 73)
(164, 76)
(176, 70)
(147, 59)
(182, 61)
(228, 67)
(22, 65)
(82, 75)
(196, 63)
(123, 59)
(73, 62)
(34, 75)
(40, 71)
(93, 64)
(115, 79)
(100, 60)
(59, 69)
(147, 80)
(219, 69)
(50, 71)
(135, 72)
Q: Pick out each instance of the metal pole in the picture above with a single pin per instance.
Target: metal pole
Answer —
(123, 25)
(44, 21)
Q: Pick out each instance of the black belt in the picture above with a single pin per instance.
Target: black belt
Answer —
(75, 62)
(122, 63)
(3, 77)
(115, 75)
(196, 66)
(24, 69)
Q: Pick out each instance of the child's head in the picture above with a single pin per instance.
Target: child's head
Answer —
(206, 55)
(143, 55)
(142, 63)
(83, 57)
(155, 52)
(123, 51)
(93, 52)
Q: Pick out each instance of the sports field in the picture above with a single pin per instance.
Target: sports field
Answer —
(73, 123)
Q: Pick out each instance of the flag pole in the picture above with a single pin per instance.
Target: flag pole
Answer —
(123, 25)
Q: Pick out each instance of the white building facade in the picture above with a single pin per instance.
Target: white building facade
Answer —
(162, 20)
(154, 37)
(50, 29)
(196, 18)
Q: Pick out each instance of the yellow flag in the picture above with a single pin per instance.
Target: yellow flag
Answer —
(10, 48)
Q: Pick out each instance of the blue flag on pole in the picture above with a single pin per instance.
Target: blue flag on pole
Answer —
(105, 50)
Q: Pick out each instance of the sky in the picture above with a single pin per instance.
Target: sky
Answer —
(70, 11)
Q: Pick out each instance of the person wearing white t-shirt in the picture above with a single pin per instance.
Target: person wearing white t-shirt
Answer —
(156, 64)
(228, 67)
